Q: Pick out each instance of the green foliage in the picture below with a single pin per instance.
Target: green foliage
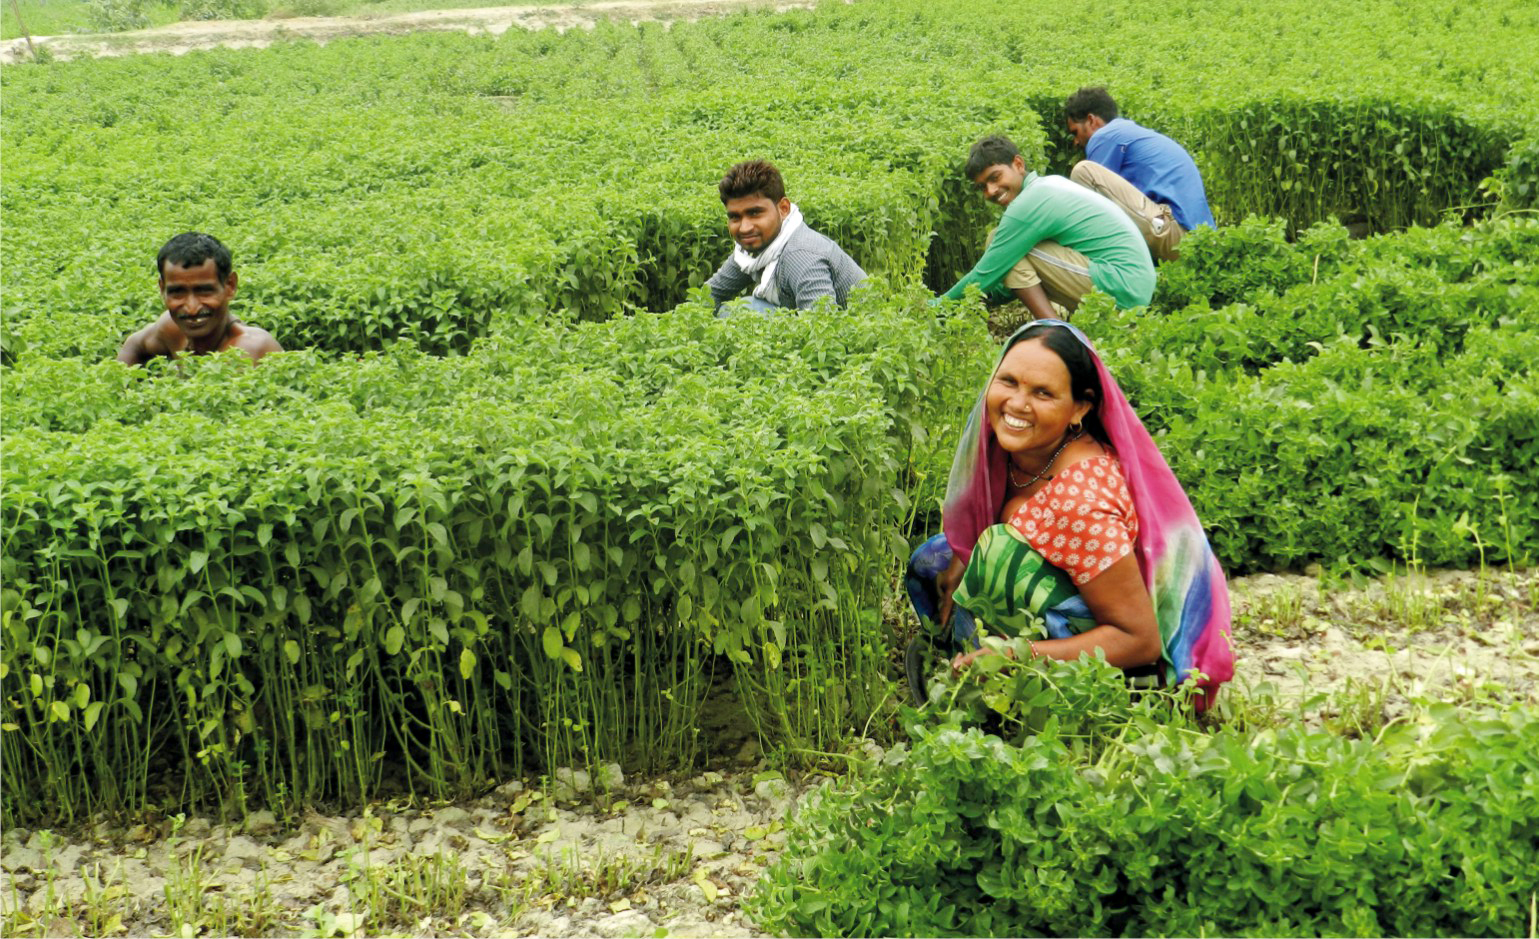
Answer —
(115, 16)
(1519, 178)
(1160, 829)
(1389, 163)
(473, 178)
(223, 9)
(461, 563)
(1342, 401)
(315, 8)
(276, 581)
(452, 220)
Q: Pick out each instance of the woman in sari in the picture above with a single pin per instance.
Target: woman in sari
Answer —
(1061, 511)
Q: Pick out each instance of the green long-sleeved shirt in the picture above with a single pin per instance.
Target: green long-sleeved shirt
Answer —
(1051, 208)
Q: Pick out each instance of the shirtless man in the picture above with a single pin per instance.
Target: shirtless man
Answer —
(196, 285)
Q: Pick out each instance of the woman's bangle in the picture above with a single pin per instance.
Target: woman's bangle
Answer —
(1033, 647)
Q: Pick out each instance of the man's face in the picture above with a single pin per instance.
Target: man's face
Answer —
(1002, 182)
(754, 221)
(1083, 129)
(198, 301)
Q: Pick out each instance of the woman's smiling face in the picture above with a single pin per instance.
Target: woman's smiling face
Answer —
(1030, 404)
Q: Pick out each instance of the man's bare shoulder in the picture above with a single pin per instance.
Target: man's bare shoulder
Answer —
(252, 340)
(150, 341)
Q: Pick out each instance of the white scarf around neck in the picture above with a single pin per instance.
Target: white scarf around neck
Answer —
(764, 263)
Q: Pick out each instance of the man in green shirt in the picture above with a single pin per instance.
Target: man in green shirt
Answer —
(1056, 241)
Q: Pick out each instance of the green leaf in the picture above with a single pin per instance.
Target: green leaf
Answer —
(551, 640)
(467, 664)
(395, 637)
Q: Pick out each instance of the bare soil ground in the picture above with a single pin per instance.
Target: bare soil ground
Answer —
(1322, 650)
(180, 38)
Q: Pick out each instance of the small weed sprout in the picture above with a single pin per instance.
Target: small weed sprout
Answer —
(570, 876)
(1279, 612)
(1359, 710)
(412, 887)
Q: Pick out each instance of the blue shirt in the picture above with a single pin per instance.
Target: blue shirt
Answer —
(1157, 166)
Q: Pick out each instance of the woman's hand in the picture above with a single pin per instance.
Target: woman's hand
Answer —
(967, 658)
(946, 583)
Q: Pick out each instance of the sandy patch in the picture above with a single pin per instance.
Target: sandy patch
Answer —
(180, 38)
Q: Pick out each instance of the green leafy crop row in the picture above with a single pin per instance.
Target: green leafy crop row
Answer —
(473, 566)
(1349, 400)
(1113, 819)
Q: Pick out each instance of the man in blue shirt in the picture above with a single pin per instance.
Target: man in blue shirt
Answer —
(1151, 176)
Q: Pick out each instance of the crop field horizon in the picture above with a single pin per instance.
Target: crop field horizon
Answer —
(515, 499)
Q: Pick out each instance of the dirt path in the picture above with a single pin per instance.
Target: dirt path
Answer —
(179, 38)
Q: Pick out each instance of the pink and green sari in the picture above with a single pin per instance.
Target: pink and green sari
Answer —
(1191, 598)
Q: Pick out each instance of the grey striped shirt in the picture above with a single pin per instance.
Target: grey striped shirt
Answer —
(811, 267)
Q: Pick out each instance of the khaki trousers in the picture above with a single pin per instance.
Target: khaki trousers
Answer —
(1154, 220)
(1063, 273)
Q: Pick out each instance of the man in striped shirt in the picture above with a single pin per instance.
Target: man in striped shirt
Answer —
(787, 264)
(1056, 240)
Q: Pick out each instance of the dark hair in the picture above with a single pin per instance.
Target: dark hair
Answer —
(1084, 377)
(1088, 101)
(191, 249)
(752, 177)
(989, 151)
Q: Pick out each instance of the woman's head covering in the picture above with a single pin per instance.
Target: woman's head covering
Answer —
(1191, 598)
